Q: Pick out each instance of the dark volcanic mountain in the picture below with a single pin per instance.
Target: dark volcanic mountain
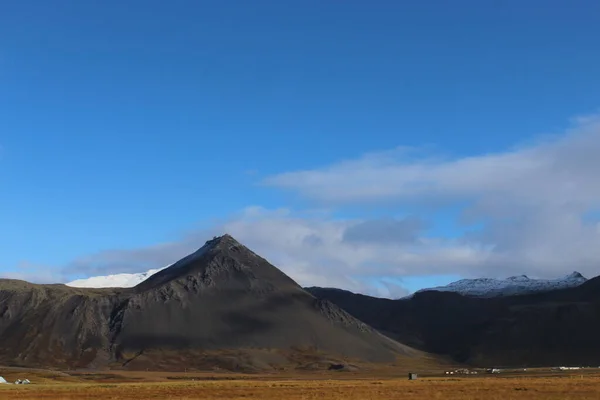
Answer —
(559, 327)
(221, 306)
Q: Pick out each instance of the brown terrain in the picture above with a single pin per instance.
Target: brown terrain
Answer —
(377, 383)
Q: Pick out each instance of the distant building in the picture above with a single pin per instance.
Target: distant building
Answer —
(412, 376)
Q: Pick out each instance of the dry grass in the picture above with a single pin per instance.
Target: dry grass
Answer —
(488, 388)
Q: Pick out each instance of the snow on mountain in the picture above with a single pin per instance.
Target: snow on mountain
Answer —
(489, 287)
(117, 280)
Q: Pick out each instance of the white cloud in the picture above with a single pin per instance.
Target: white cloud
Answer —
(558, 171)
(385, 230)
(532, 201)
(314, 250)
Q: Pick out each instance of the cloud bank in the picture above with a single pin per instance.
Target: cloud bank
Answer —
(556, 172)
(537, 203)
(535, 208)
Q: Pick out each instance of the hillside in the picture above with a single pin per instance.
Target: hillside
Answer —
(558, 327)
(220, 306)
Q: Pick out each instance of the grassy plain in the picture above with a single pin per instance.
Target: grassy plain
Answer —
(346, 386)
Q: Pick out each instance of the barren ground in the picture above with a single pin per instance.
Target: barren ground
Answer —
(384, 384)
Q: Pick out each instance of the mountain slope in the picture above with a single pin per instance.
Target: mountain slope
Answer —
(47, 324)
(248, 302)
(558, 327)
(221, 298)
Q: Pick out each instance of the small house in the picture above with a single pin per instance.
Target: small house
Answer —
(412, 376)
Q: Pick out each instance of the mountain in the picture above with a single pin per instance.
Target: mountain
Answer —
(488, 287)
(222, 306)
(517, 321)
(556, 327)
(480, 287)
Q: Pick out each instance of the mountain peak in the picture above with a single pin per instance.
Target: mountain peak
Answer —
(518, 278)
(224, 244)
(575, 275)
(225, 241)
(222, 263)
(226, 237)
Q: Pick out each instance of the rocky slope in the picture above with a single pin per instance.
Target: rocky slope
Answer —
(222, 305)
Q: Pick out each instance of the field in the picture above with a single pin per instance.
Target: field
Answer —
(149, 385)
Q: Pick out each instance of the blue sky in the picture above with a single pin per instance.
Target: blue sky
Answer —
(127, 128)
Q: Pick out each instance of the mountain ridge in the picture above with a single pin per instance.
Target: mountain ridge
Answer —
(482, 287)
(513, 285)
(548, 328)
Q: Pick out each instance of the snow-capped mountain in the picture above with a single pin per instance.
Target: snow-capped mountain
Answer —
(117, 280)
(489, 287)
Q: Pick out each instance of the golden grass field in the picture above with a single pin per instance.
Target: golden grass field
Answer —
(148, 385)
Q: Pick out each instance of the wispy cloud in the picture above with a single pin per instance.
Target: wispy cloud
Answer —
(314, 249)
(561, 170)
(532, 200)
